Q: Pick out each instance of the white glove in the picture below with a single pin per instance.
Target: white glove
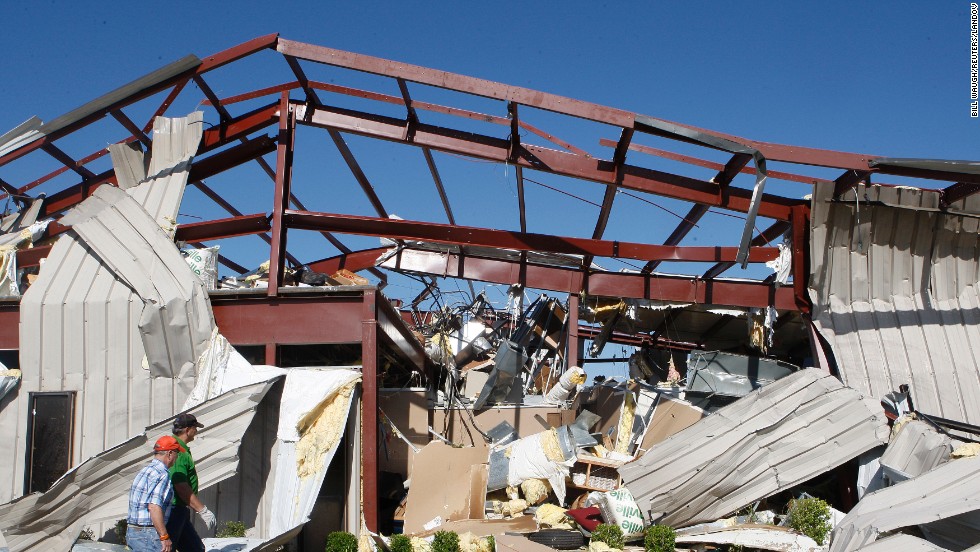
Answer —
(208, 518)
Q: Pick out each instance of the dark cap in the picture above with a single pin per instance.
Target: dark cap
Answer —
(184, 420)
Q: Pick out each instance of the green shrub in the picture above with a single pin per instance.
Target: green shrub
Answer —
(610, 534)
(341, 541)
(659, 538)
(492, 542)
(231, 529)
(86, 535)
(120, 530)
(400, 543)
(445, 541)
(810, 516)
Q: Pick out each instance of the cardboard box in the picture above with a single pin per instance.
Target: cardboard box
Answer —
(408, 410)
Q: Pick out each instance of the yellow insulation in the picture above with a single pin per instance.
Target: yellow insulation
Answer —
(550, 515)
(420, 545)
(552, 449)
(535, 490)
(468, 542)
(625, 431)
(321, 430)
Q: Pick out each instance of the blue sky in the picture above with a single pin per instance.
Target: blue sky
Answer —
(888, 79)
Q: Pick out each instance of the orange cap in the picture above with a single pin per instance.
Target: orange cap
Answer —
(166, 443)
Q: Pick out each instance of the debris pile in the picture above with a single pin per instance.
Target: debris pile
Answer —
(720, 448)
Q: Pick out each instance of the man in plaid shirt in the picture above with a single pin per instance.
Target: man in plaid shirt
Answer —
(150, 500)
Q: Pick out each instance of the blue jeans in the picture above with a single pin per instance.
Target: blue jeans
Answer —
(182, 531)
(143, 539)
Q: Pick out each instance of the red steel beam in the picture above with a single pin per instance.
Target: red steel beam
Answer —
(10, 325)
(683, 228)
(459, 83)
(766, 236)
(546, 160)
(224, 228)
(467, 235)
(354, 261)
(690, 160)
(232, 157)
(738, 293)
(235, 53)
(256, 319)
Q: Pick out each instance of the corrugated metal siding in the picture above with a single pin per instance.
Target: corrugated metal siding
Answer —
(916, 449)
(903, 543)
(98, 489)
(947, 491)
(894, 284)
(79, 331)
(778, 436)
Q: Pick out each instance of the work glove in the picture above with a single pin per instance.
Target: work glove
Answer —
(208, 518)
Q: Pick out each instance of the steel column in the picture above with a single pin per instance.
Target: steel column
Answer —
(284, 170)
(369, 413)
(574, 352)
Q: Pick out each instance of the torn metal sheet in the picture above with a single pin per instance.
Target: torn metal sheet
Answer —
(313, 412)
(772, 439)
(665, 128)
(20, 135)
(21, 220)
(98, 489)
(904, 543)
(9, 378)
(916, 449)
(896, 295)
(729, 375)
(80, 323)
(945, 492)
(755, 537)
(175, 141)
(176, 309)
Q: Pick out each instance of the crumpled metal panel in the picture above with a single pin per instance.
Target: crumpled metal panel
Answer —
(916, 449)
(176, 321)
(725, 374)
(905, 543)
(80, 324)
(776, 437)
(947, 491)
(98, 489)
(894, 284)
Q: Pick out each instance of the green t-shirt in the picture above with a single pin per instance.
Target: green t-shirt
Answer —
(183, 471)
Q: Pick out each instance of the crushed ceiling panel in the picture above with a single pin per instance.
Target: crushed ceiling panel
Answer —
(98, 489)
(903, 542)
(947, 491)
(783, 434)
(895, 293)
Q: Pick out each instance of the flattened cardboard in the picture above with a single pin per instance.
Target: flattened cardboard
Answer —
(485, 527)
(441, 484)
(409, 411)
(671, 416)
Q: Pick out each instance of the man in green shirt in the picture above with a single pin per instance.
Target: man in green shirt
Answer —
(183, 476)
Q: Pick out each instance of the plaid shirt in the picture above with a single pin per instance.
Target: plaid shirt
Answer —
(151, 486)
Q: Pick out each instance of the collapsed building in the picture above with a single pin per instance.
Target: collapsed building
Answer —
(332, 406)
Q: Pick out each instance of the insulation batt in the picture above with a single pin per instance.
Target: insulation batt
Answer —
(535, 491)
(539, 457)
(511, 508)
(550, 515)
(420, 545)
(321, 430)
(567, 383)
(468, 542)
